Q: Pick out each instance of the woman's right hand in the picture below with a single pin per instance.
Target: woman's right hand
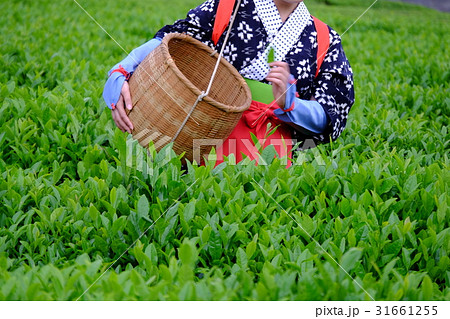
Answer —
(118, 113)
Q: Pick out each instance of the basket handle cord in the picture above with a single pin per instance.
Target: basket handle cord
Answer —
(222, 18)
(227, 5)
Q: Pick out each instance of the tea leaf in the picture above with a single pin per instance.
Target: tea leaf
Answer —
(271, 55)
(143, 207)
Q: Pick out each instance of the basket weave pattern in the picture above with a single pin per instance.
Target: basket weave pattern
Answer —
(166, 85)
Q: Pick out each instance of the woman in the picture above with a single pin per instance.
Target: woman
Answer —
(292, 93)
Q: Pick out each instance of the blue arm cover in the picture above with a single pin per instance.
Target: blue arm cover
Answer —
(309, 115)
(113, 86)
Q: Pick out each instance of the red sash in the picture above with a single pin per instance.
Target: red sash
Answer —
(255, 121)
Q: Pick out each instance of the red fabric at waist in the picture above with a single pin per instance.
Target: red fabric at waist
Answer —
(255, 120)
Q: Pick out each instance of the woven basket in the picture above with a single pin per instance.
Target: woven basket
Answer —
(167, 84)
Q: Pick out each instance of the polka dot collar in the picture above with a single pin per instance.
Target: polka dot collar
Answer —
(281, 36)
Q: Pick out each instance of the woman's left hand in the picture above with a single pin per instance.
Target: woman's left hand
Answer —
(279, 77)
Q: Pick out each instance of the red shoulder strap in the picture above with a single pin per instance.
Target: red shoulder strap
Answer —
(223, 15)
(323, 41)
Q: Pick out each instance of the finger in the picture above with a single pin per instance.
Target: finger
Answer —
(119, 103)
(279, 77)
(123, 115)
(127, 121)
(116, 121)
(276, 81)
(280, 71)
(281, 68)
(275, 63)
(279, 64)
(118, 117)
(277, 71)
(126, 95)
(278, 86)
(127, 125)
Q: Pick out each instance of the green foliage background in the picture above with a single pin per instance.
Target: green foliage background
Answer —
(376, 200)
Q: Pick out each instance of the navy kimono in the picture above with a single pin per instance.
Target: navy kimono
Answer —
(256, 27)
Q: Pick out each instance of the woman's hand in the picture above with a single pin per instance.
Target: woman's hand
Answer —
(118, 114)
(279, 77)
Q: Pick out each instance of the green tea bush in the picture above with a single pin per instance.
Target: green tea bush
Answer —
(364, 217)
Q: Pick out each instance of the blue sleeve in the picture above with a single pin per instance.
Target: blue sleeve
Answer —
(113, 86)
(309, 115)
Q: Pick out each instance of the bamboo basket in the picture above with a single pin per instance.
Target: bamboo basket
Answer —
(167, 84)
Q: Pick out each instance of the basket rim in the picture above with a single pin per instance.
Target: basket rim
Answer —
(171, 63)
